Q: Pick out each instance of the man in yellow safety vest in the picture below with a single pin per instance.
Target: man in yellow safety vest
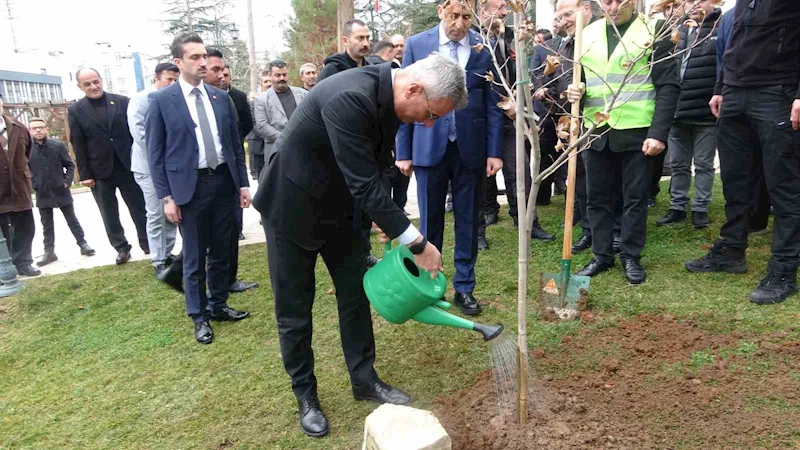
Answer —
(630, 92)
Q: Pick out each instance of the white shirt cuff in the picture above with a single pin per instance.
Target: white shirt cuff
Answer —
(410, 235)
(245, 188)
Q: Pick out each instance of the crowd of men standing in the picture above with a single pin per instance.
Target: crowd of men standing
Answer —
(376, 113)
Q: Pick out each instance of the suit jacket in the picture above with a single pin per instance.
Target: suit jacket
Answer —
(52, 168)
(172, 150)
(15, 175)
(479, 126)
(243, 112)
(271, 118)
(137, 108)
(328, 158)
(97, 140)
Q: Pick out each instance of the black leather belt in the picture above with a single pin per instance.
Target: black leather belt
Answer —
(209, 171)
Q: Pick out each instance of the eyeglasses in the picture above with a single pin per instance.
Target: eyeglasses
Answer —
(431, 115)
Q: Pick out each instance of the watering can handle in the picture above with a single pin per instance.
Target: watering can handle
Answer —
(388, 246)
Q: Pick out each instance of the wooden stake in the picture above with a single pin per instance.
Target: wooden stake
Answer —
(524, 239)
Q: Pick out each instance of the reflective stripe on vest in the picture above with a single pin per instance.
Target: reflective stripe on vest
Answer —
(635, 106)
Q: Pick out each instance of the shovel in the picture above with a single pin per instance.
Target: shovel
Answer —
(563, 295)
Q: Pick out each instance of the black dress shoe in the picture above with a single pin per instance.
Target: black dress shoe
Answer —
(28, 271)
(673, 216)
(123, 257)
(228, 314)
(241, 286)
(651, 202)
(49, 257)
(491, 219)
(203, 332)
(584, 243)
(241, 236)
(700, 219)
(616, 244)
(380, 392)
(595, 267)
(634, 272)
(482, 244)
(467, 303)
(86, 250)
(172, 275)
(538, 233)
(158, 269)
(312, 419)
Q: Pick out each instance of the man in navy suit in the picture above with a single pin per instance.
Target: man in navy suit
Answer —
(463, 148)
(197, 163)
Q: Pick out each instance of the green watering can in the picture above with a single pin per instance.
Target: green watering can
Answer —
(399, 290)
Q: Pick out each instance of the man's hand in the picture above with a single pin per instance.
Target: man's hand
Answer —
(382, 237)
(244, 198)
(540, 94)
(716, 103)
(88, 183)
(653, 147)
(173, 212)
(66, 185)
(405, 167)
(575, 93)
(796, 115)
(430, 259)
(511, 113)
(493, 165)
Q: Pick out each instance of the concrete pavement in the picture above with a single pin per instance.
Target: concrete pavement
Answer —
(70, 259)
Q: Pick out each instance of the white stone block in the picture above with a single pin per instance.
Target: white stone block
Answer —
(393, 427)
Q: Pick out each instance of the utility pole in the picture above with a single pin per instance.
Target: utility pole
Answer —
(189, 22)
(251, 49)
(345, 12)
(11, 19)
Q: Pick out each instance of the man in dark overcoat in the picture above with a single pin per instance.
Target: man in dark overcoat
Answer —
(52, 170)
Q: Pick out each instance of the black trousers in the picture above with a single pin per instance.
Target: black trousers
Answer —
(256, 164)
(631, 170)
(581, 211)
(233, 267)
(547, 142)
(397, 185)
(207, 223)
(19, 229)
(105, 194)
(48, 226)
(751, 119)
(656, 170)
(760, 204)
(291, 270)
(509, 176)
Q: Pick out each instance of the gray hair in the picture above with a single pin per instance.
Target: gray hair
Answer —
(307, 66)
(442, 78)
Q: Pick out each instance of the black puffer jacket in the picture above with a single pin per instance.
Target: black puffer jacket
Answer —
(697, 84)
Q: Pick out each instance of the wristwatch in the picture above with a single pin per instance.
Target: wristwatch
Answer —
(166, 200)
(419, 247)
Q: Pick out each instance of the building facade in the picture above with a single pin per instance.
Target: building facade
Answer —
(23, 87)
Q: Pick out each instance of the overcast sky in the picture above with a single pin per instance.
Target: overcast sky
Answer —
(71, 24)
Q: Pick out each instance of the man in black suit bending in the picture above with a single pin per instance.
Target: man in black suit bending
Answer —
(329, 157)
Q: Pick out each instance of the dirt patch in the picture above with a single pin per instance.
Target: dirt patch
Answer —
(651, 383)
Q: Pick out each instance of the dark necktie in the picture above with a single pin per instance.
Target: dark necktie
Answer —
(205, 129)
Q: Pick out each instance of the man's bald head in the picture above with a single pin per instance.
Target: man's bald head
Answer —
(567, 10)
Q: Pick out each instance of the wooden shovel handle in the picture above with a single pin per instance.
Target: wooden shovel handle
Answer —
(574, 133)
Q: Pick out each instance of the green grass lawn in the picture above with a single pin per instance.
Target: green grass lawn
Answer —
(106, 358)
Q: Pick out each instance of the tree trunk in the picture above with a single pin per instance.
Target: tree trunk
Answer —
(345, 12)
(189, 22)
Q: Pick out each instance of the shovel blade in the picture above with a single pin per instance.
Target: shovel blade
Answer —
(564, 298)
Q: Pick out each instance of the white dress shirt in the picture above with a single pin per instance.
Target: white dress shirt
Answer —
(463, 49)
(187, 88)
(411, 234)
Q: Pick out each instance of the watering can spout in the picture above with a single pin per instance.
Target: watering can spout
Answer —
(436, 315)
(489, 332)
